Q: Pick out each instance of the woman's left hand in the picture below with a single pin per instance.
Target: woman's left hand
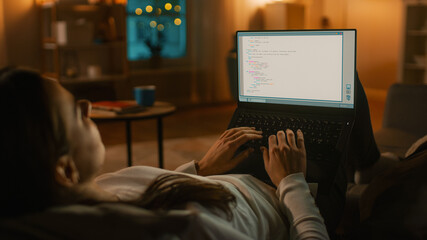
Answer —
(220, 157)
(285, 155)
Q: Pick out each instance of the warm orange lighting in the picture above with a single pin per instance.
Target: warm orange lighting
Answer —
(177, 8)
(177, 21)
(121, 1)
(168, 6)
(153, 24)
(138, 11)
(41, 2)
(158, 11)
(148, 8)
(160, 27)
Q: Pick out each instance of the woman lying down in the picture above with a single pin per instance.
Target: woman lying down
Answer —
(52, 149)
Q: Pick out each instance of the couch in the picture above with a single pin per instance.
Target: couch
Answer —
(388, 200)
(405, 118)
(103, 221)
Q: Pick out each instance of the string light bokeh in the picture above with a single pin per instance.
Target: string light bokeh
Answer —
(156, 28)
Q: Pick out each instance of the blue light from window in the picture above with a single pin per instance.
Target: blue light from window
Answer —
(156, 28)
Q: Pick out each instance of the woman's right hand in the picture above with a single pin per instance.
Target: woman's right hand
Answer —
(284, 156)
(221, 156)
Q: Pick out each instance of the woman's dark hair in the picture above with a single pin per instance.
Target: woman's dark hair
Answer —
(174, 191)
(32, 138)
(29, 143)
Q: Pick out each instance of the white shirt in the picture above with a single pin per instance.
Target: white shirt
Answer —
(261, 211)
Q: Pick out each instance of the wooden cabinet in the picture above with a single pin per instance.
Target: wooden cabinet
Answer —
(413, 66)
(83, 42)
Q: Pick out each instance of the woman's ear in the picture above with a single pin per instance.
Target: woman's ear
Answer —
(66, 172)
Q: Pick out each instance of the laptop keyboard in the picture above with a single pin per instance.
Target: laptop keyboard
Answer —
(320, 136)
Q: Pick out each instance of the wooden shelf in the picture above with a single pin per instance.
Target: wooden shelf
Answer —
(418, 32)
(103, 22)
(50, 46)
(77, 6)
(415, 2)
(47, 4)
(118, 77)
(106, 45)
(415, 66)
(48, 40)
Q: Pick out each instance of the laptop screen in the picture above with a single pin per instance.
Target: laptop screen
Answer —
(306, 67)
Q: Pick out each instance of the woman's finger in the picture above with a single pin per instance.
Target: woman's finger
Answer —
(242, 132)
(265, 156)
(244, 138)
(281, 138)
(300, 140)
(272, 142)
(274, 150)
(232, 131)
(291, 138)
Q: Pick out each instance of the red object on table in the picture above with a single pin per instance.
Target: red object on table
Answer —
(119, 107)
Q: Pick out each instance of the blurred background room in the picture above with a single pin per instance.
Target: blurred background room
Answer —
(101, 49)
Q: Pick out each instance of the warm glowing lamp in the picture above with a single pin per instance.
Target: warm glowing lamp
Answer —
(168, 6)
(177, 8)
(160, 27)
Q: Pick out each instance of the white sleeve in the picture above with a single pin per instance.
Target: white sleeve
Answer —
(189, 168)
(299, 207)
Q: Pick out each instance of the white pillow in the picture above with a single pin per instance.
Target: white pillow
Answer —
(415, 146)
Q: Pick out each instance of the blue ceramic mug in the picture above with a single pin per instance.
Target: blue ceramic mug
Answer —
(144, 95)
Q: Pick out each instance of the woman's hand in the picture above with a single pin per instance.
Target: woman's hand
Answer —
(284, 157)
(220, 157)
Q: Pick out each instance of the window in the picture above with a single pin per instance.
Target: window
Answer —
(156, 28)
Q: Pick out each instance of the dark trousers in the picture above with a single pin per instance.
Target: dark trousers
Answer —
(360, 152)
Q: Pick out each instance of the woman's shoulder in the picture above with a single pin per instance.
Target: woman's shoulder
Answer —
(129, 183)
(133, 172)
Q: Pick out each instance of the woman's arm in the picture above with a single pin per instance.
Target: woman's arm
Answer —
(299, 207)
(285, 162)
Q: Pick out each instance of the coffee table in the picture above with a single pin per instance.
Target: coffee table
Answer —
(158, 111)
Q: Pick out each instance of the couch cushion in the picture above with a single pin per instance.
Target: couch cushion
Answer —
(406, 108)
(103, 221)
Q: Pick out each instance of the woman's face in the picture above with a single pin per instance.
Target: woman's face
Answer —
(86, 148)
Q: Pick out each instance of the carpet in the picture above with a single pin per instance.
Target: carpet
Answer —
(176, 151)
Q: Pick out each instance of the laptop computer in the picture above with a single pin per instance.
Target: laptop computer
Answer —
(298, 79)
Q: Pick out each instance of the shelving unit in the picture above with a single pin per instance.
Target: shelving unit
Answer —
(413, 66)
(77, 36)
